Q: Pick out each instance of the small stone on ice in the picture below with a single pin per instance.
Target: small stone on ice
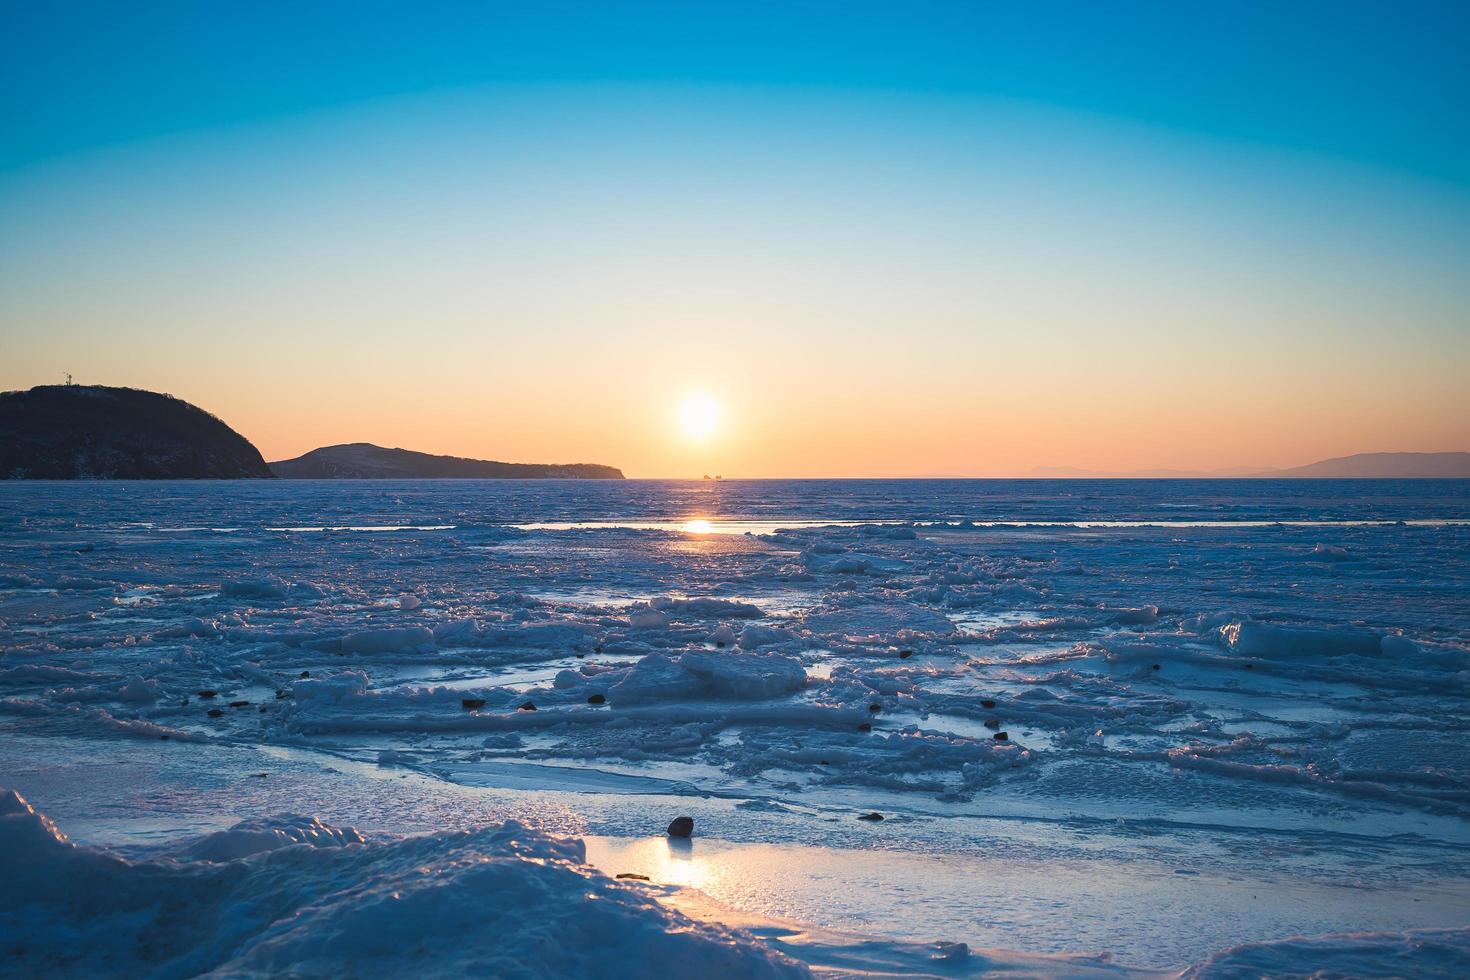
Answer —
(682, 827)
(528, 706)
(596, 698)
(1001, 737)
(470, 704)
(870, 816)
(630, 876)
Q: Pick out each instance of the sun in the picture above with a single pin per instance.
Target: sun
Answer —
(699, 415)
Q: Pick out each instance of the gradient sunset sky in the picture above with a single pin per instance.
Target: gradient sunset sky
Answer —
(884, 239)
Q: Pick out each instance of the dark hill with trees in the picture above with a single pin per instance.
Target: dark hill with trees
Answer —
(364, 461)
(93, 432)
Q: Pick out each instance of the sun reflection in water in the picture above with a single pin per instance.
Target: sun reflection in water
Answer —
(669, 862)
(697, 525)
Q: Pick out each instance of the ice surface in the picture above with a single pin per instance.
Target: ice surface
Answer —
(1279, 704)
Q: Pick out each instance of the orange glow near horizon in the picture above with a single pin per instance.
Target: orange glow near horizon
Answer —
(830, 285)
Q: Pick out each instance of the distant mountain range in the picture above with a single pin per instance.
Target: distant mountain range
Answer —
(364, 461)
(1392, 466)
(1400, 466)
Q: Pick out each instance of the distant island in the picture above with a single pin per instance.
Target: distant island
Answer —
(94, 432)
(1361, 466)
(97, 432)
(365, 461)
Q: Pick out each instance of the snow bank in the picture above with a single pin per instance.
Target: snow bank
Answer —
(504, 901)
(255, 836)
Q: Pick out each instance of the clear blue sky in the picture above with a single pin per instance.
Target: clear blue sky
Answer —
(1380, 82)
(1058, 212)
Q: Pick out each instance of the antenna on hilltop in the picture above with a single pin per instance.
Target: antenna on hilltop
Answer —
(68, 377)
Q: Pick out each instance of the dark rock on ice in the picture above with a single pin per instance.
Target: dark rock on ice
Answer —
(207, 694)
(987, 703)
(470, 704)
(215, 712)
(630, 876)
(1001, 736)
(875, 817)
(682, 827)
(597, 699)
(991, 723)
(528, 706)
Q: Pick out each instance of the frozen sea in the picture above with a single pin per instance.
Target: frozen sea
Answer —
(389, 727)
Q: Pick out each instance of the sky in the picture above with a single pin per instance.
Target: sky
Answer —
(753, 239)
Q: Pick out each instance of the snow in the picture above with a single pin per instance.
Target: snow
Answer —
(317, 901)
(389, 640)
(1419, 953)
(1256, 709)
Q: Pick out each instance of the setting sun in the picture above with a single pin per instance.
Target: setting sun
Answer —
(699, 416)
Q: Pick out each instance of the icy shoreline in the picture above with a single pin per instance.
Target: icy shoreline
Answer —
(1255, 715)
(292, 894)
